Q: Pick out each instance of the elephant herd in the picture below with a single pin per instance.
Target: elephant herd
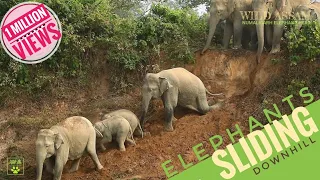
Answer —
(76, 136)
(234, 13)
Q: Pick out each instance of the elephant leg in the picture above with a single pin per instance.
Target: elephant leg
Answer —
(174, 119)
(58, 168)
(192, 107)
(75, 165)
(227, 33)
(131, 141)
(253, 40)
(91, 149)
(102, 142)
(203, 106)
(277, 34)
(121, 139)
(170, 101)
(269, 35)
(168, 118)
(50, 165)
(237, 30)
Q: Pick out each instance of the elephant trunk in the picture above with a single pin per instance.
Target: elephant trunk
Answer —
(260, 35)
(40, 157)
(212, 28)
(146, 97)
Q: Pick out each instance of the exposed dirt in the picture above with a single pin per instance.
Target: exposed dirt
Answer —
(234, 73)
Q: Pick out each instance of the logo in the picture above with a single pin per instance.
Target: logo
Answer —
(30, 32)
(15, 166)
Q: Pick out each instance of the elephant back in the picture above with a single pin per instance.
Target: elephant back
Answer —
(126, 114)
(182, 78)
(75, 122)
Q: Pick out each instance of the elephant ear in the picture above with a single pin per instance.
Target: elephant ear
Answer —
(58, 141)
(164, 84)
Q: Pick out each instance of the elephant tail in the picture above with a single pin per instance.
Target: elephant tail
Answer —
(141, 131)
(218, 94)
(131, 134)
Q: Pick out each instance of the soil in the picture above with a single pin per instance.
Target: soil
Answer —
(234, 73)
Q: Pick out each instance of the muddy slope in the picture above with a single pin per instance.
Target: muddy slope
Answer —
(233, 73)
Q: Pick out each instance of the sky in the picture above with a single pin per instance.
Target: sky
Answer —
(201, 9)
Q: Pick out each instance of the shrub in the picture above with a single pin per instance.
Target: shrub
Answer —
(128, 41)
(304, 44)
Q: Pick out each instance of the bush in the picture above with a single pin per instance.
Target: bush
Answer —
(304, 44)
(128, 41)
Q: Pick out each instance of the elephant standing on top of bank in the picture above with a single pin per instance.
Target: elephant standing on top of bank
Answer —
(309, 12)
(231, 11)
(175, 86)
(274, 10)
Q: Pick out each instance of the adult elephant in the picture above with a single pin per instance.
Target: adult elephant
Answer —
(276, 11)
(68, 140)
(309, 12)
(175, 86)
(231, 11)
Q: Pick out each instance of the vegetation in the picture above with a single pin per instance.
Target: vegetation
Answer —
(304, 44)
(122, 32)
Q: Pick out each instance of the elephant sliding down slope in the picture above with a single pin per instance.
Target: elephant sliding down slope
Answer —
(69, 139)
(175, 86)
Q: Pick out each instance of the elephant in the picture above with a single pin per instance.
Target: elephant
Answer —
(68, 140)
(229, 10)
(114, 126)
(175, 86)
(129, 116)
(274, 10)
(307, 12)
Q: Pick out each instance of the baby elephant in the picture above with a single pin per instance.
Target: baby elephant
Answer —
(114, 126)
(69, 139)
(129, 116)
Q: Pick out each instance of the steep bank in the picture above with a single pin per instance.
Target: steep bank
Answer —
(234, 73)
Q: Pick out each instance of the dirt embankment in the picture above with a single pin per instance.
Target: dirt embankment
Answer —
(233, 73)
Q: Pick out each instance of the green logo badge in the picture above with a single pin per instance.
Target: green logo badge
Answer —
(15, 166)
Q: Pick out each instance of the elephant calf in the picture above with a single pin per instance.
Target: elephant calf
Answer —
(114, 126)
(129, 116)
(175, 86)
(69, 139)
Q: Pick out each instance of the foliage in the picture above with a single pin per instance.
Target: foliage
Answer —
(295, 85)
(304, 44)
(128, 40)
(83, 24)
